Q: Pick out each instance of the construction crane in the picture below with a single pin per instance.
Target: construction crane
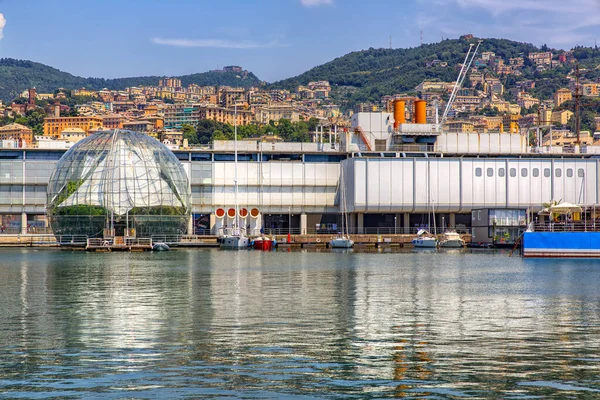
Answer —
(459, 81)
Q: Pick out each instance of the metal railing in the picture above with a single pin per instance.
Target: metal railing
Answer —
(575, 226)
(352, 230)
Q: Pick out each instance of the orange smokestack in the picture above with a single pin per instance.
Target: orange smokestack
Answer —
(420, 116)
(399, 116)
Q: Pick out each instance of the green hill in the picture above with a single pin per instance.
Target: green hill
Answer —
(367, 75)
(18, 75)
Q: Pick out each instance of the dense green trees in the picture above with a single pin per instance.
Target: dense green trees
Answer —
(19, 75)
(34, 119)
(208, 130)
(366, 76)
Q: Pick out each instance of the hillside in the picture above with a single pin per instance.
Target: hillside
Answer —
(368, 75)
(18, 75)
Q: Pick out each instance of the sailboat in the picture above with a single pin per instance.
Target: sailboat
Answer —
(424, 238)
(342, 240)
(235, 238)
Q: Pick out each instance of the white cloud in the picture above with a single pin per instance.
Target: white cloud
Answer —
(2, 25)
(217, 43)
(558, 23)
(313, 3)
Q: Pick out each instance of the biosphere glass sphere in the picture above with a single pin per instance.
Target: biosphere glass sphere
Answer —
(118, 183)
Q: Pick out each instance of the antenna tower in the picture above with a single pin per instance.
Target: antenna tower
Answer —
(421, 37)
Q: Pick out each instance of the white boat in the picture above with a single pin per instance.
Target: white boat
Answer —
(451, 239)
(341, 242)
(234, 238)
(425, 239)
(160, 247)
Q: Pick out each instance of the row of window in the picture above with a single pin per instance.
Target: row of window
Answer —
(535, 172)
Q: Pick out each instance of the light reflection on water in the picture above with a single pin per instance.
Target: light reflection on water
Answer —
(306, 324)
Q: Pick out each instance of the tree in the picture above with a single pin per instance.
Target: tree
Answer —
(190, 133)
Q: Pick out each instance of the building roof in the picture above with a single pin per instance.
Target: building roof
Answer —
(73, 130)
(14, 127)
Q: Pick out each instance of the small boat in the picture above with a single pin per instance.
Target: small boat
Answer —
(236, 241)
(452, 239)
(160, 246)
(263, 243)
(341, 242)
(425, 239)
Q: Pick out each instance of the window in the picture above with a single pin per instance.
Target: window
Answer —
(501, 172)
(513, 172)
(477, 171)
(558, 172)
(547, 172)
(535, 172)
(490, 172)
(524, 172)
(580, 173)
(569, 172)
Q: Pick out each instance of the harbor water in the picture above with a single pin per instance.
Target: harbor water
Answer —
(249, 324)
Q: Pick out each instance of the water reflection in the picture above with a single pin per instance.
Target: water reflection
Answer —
(267, 324)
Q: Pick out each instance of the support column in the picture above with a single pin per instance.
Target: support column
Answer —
(190, 227)
(303, 224)
(212, 224)
(452, 220)
(360, 223)
(23, 223)
(406, 223)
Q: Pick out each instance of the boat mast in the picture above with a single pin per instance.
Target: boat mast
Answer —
(235, 193)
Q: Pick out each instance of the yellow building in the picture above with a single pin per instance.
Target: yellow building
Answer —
(561, 96)
(113, 121)
(510, 123)
(561, 117)
(16, 132)
(53, 126)
(275, 113)
(72, 135)
(460, 126)
(226, 115)
(85, 92)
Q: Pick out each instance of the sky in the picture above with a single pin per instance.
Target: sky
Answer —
(275, 39)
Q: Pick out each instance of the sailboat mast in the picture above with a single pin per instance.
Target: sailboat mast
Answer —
(235, 193)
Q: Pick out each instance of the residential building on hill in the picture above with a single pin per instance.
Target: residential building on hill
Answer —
(226, 115)
(562, 95)
(17, 132)
(177, 115)
(53, 126)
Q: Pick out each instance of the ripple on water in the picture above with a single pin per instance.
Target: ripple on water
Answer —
(297, 325)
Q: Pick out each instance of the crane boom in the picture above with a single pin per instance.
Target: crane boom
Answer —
(459, 81)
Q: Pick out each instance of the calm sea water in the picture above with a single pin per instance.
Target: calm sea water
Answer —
(208, 323)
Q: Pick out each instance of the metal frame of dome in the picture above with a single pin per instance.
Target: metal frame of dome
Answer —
(118, 180)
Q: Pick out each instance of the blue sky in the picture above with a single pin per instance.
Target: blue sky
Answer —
(275, 39)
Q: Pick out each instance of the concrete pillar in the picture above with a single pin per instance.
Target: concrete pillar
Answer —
(212, 222)
(303, 223)
(190, 227)
(23, 223)
(452, 221)
(360, 223)
(406, 223)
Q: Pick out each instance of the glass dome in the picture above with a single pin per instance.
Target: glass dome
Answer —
(118, 183)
